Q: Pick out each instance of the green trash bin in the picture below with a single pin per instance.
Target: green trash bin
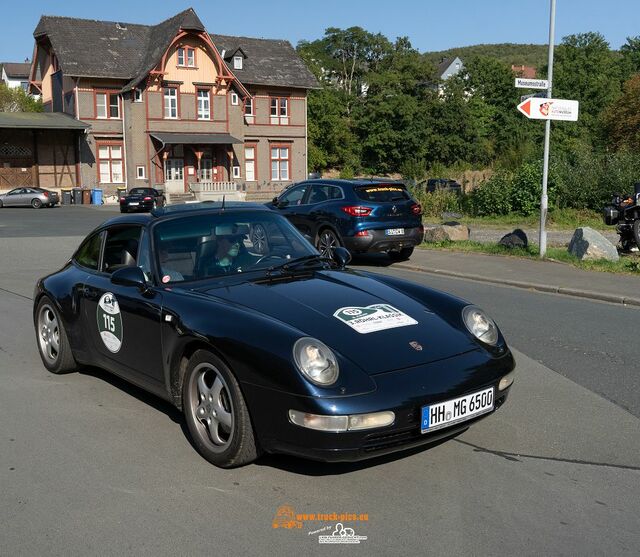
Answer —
(66, 196)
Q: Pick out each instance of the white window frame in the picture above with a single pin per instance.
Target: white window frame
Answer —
(248, 102)
(206, 169)
(141, 172)
(170, 98)
(104, 105)
(237, 62)
(236, 172)
(202, 114)
(278, 175)
(281, 117)
(137, 95)
(109, 161)
(250, 171)
(234, 99)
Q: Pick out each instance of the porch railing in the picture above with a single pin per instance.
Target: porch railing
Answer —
(210, 186)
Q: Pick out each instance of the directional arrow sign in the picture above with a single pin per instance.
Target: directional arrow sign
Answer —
(537, 108)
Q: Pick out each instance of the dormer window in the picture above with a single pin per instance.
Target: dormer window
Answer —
(237, 62)
(187, 56)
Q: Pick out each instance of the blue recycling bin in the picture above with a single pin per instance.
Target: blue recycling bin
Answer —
(96, 196)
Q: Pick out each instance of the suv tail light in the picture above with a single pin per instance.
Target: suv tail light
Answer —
(416, 209)
(357, 211)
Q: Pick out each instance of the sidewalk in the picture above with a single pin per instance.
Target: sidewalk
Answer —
(544, 276)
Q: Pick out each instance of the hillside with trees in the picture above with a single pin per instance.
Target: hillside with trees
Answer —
(508, 53)
(382, 111)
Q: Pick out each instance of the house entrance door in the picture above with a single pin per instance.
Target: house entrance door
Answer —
(174, 176)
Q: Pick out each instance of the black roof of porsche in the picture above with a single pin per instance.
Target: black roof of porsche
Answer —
(214, 207)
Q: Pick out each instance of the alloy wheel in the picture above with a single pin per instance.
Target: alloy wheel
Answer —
(327, 243)
(212, 407)
(49, 334)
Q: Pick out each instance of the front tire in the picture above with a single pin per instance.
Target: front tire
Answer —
(36, 203)
(260, 240)
(401, 255)
(53, 344)
(216, 413)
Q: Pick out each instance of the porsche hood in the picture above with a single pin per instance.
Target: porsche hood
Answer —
(374, 325)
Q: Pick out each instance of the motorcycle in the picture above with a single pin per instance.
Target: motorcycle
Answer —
(624, 213)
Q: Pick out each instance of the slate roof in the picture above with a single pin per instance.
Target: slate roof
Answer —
(267, 62)
(41, 121)
(16, 70)
(109, 49)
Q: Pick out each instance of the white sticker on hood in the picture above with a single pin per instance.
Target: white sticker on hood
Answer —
(376, 317)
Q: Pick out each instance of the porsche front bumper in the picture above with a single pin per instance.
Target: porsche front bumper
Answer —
(403, 392)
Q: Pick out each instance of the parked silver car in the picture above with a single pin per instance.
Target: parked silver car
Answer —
(25, 197)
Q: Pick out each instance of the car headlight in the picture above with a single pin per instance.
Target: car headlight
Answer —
(480, 325)
(316, 361)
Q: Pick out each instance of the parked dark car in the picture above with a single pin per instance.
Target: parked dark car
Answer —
(440, 184)
(282, 352)
(141, 199)
(29, 197)
(361, 215)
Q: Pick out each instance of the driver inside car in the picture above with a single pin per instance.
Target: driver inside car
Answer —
(230, 255)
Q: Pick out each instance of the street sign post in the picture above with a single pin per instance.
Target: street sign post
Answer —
(537, 108)
(524, 83)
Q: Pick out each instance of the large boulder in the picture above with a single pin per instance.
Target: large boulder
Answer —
(591, 245)
(449, 231)
(516, 239)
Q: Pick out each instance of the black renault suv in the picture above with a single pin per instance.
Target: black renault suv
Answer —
(361, 215)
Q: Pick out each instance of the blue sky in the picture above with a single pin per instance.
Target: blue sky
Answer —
(429, 24)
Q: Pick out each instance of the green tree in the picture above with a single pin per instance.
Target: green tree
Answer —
(631, 56)
(586, 70)
(16, 100)
(622, 118)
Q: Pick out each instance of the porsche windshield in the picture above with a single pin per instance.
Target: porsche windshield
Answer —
(204, 246)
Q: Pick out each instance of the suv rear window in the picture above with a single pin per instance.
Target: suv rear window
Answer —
(382, 193)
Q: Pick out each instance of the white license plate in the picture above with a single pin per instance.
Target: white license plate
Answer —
(445, 414)
(394, 231)
(133, 203)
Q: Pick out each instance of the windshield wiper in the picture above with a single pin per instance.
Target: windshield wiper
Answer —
(300, 262)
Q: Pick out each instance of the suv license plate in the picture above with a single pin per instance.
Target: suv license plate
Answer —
(394, 231)
(445, 414)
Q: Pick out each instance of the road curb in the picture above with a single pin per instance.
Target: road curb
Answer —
(575, 292)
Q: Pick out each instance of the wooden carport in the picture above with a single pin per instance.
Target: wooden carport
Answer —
(39, 149)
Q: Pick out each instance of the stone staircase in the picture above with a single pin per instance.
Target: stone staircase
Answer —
(177, 198)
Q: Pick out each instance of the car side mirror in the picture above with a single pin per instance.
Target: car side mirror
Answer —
(274, 202)
(341, 256)
(130, 276)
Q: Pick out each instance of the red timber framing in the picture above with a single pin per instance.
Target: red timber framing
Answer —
(224, 73)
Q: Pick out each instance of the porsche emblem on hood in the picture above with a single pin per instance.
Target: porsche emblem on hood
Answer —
(415, 345)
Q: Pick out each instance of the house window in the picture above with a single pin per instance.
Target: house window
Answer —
(279, 111)
(137, 95)
(204, 104)
(140, 172)
(250, 163)
(107, 106)
(110, 165)
(234, 99)
(280, 162)
(248, 106)
(171, 102)
(237, 62)
(187, 56)
(236, 172)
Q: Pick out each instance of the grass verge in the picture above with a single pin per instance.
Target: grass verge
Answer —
(626, 265)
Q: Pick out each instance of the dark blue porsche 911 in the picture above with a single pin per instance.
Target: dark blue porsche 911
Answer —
(280, 350)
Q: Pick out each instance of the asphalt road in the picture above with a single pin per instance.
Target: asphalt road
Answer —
(90, 465)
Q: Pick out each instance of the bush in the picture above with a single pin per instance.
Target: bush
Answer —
(492, 197)
(438, 202)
